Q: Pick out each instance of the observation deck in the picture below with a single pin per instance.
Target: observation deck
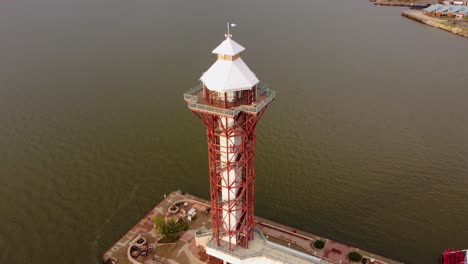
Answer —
(196, 101)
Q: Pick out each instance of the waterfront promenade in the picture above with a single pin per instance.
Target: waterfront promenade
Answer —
(186, 250)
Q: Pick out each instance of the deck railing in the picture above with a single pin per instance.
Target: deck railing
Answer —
(190, 94)
(192, 100)
(281, 256)
(257, 108)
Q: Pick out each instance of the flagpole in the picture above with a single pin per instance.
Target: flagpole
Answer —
(228, 28)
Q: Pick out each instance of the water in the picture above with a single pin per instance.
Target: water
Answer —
(366, 142)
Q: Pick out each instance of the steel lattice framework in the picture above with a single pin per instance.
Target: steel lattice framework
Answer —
(454, 256)
(230, 101)
(239, 169)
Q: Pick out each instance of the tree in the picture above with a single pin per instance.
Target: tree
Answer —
(169, 229)
(319, 244)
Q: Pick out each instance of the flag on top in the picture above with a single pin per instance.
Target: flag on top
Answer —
(229, 26)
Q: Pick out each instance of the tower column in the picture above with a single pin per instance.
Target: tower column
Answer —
(230, 102)
(231, 177)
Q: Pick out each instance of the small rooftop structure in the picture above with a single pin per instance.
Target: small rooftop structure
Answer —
(227, 76)
(229, 73)
(228, 47)
(229, 87)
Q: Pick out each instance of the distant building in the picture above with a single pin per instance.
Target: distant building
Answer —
(454, 2)
(439, 10)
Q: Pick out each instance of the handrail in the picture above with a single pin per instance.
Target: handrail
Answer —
(190, 94)
(195, 89)
(262, 252)
(192, 100)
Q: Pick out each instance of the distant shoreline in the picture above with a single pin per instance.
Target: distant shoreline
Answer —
(415, 13)
(419, 4)
(418, 15)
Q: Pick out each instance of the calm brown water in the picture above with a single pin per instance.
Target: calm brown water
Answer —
(367, 142)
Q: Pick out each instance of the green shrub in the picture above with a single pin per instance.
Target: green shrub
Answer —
(170, 229)
(354, 256)
(319, 244)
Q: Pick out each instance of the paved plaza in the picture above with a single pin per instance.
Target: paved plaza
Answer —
(185, 249)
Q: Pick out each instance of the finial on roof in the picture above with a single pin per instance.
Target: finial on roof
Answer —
(229, 26)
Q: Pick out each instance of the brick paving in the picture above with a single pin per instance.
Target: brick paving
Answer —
(186, 251)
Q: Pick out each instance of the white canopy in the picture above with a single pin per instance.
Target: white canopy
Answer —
(228, 76)
(229, 47)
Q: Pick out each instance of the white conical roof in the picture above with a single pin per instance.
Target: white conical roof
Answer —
(228, 76)
(229, 47)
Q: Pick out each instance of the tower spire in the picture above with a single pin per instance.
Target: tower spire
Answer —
(229, 26)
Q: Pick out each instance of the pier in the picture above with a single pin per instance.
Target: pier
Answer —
(278, 241)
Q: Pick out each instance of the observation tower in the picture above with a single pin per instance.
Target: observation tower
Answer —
(230, 101)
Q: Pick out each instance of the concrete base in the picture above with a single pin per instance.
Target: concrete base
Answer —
(273, 242)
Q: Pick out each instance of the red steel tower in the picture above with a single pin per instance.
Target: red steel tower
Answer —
(230, 101)
(454, 256)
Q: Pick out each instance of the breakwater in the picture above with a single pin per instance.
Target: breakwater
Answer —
(399, 3)
(418, 15)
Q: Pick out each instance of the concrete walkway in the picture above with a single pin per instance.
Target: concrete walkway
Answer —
(185, 250)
